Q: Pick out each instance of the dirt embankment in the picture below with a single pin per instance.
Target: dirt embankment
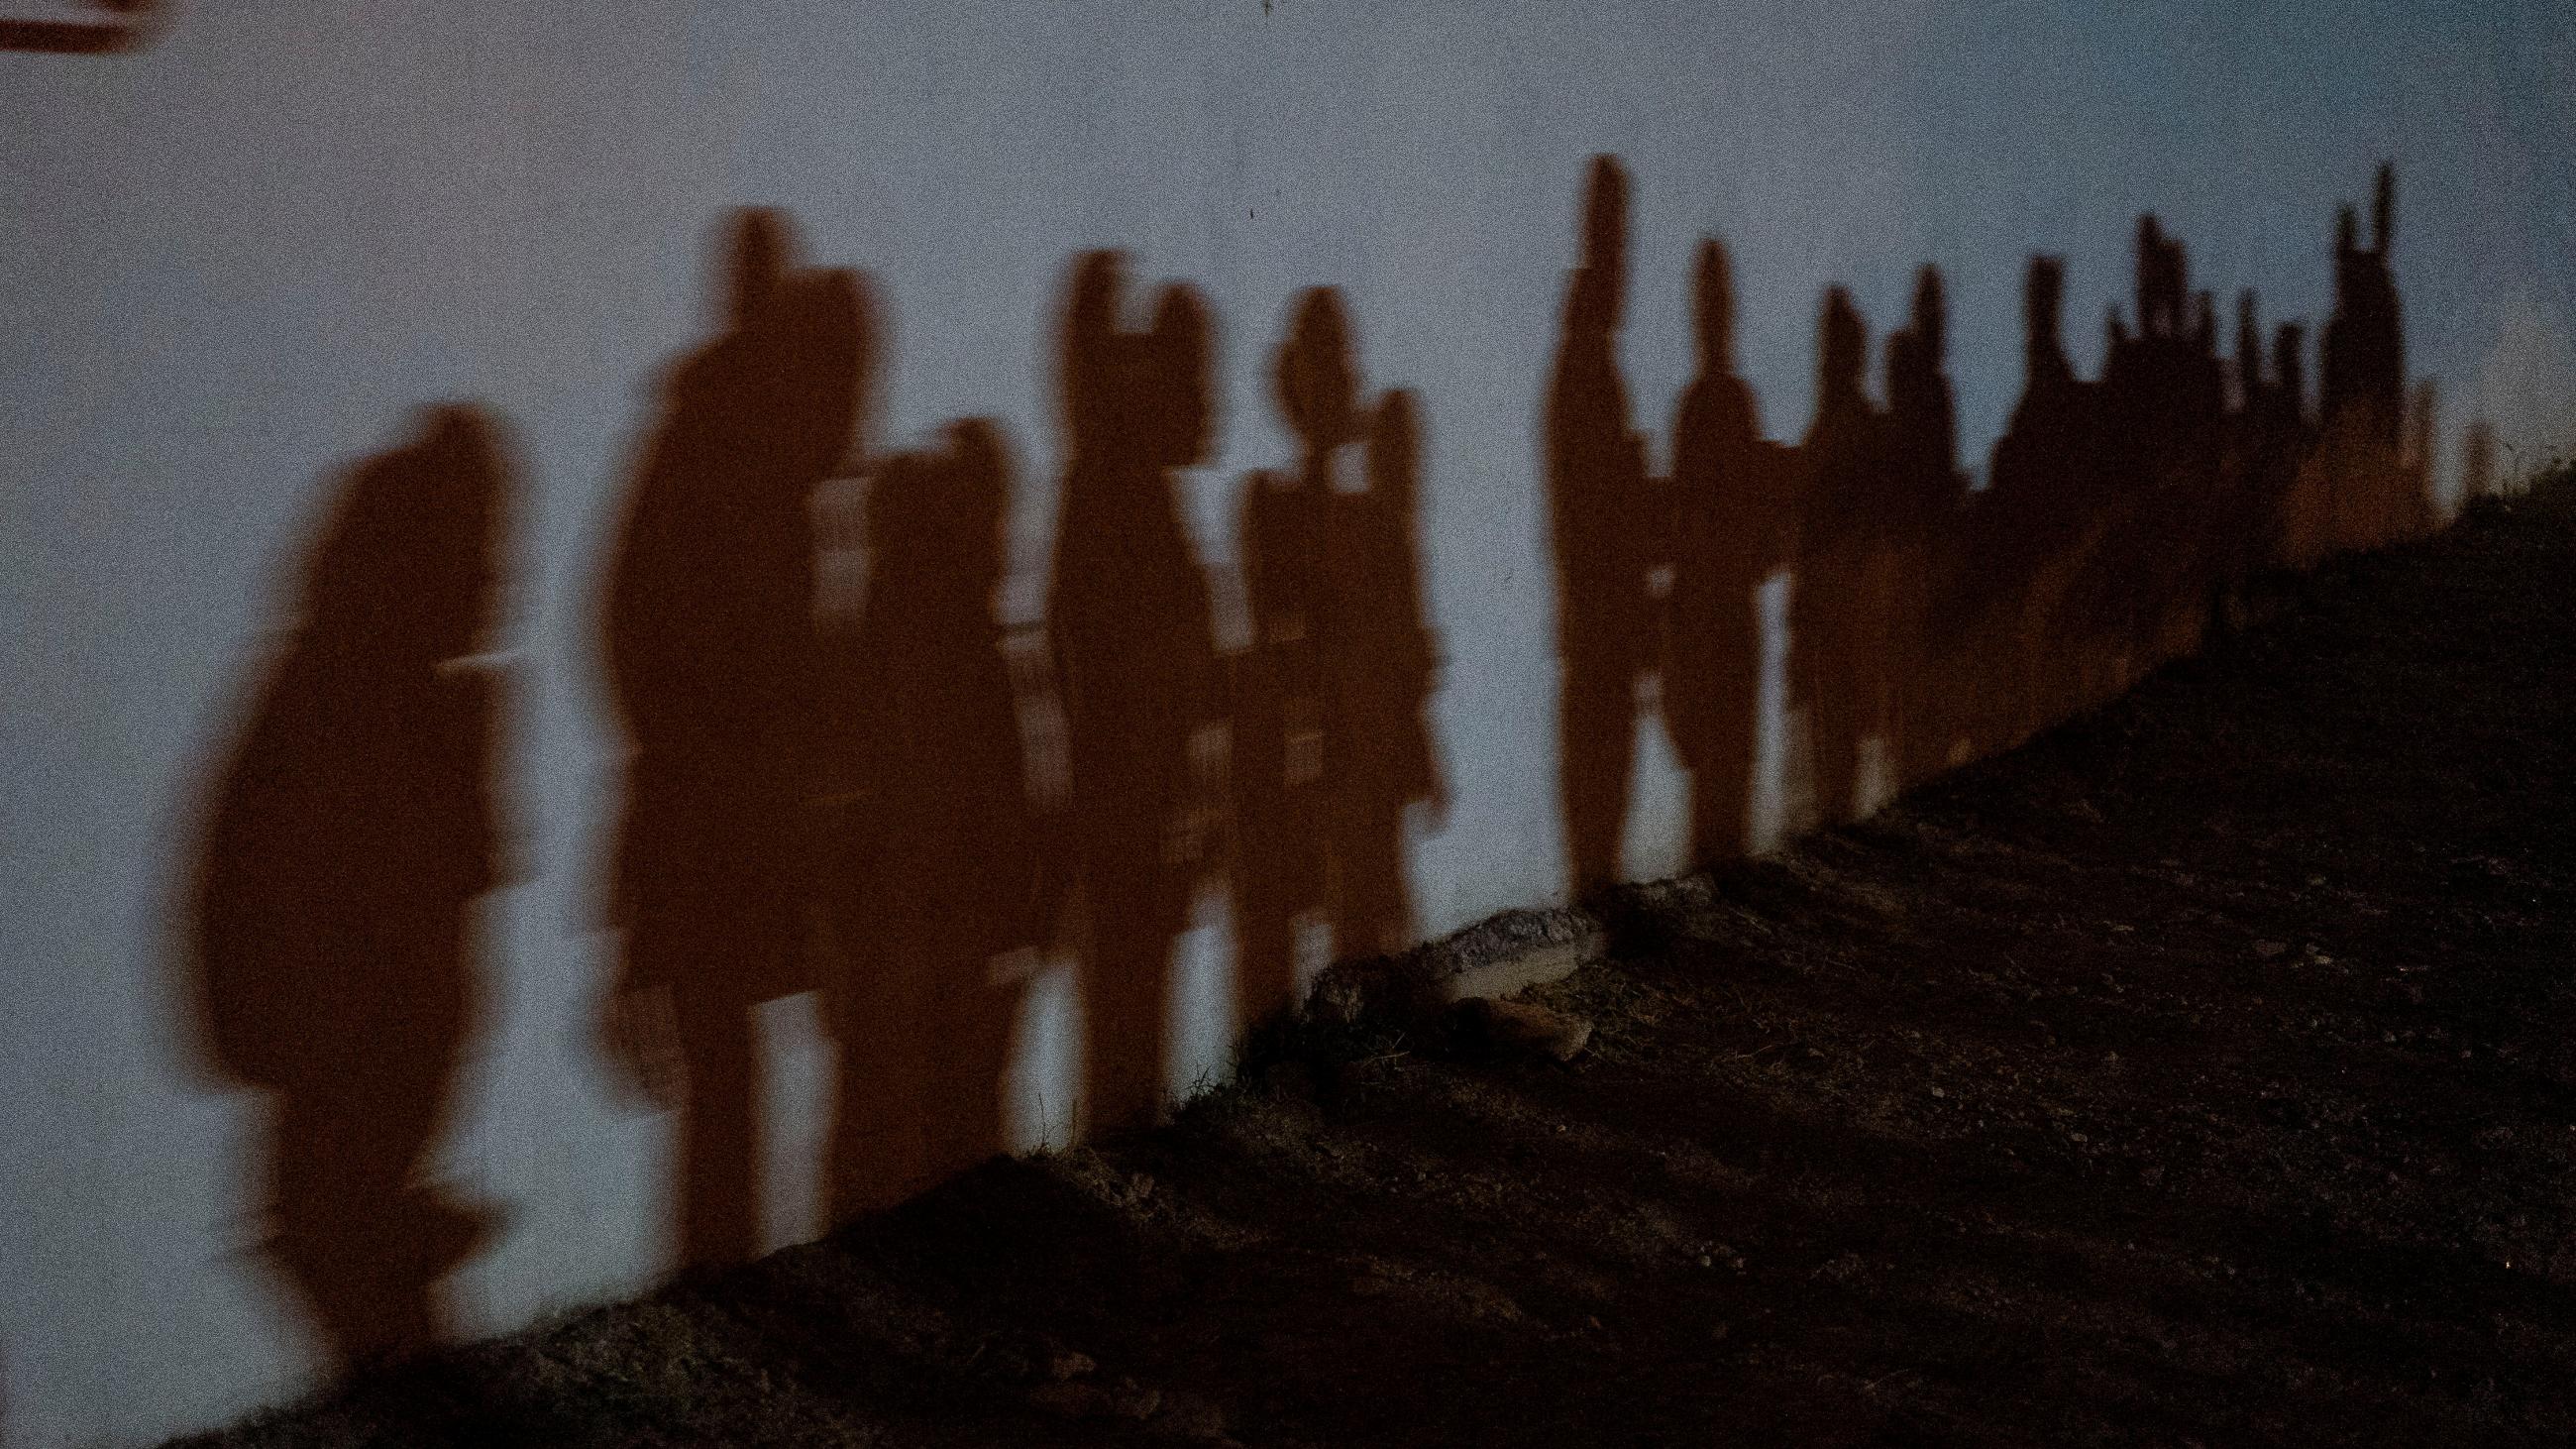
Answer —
(2199, 1074)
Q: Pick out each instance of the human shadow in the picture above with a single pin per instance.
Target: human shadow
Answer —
(2269, 437)
(1385, 667)
(2031, 524)
(1329, 740)
(1735, 523)
(1606, 536)
(1282, 751)
(1136, 666)
(1844, 607)
(2362, 382)
(2241, 536)
(2135, 598)
(717, 679)
(2294, 427)
(1928, 496)
(2353, 490)
(330, 912)
(940, 882)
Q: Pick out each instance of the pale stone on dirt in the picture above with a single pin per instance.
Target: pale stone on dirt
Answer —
(1519, 972)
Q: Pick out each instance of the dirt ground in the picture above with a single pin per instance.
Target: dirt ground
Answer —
(2199, 1074)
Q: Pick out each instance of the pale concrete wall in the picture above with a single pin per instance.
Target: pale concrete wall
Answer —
(235, 260)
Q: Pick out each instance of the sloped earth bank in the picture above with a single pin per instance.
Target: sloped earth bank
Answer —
(2198, 1074)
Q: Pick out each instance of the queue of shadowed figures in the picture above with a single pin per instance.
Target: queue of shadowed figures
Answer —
(843, 774)
(1929, 623)
(840, 798)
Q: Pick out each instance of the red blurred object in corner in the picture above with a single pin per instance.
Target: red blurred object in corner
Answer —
(79, 27)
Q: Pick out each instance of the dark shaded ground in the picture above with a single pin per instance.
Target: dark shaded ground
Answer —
(2198, 1074)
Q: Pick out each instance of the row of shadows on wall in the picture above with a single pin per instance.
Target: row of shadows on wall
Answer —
(1933, 624)
(878, 795)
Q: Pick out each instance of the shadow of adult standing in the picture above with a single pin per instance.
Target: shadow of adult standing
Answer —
(2033, 525)
(2362, 385)
(1933, 650)
(1843, 604)
(2264, 446)
(1136, 667)
(2105, 611)
(2141, 595)
(330, 910)
(1385, 666)
(1734, 522)
(1605, 534)
(944, 881)
(716, 669)
(1329, 740)
(1285, 753)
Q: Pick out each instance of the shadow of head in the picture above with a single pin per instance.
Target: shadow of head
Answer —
(405, 570)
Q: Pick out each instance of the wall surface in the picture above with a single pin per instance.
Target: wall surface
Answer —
(241, 256)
